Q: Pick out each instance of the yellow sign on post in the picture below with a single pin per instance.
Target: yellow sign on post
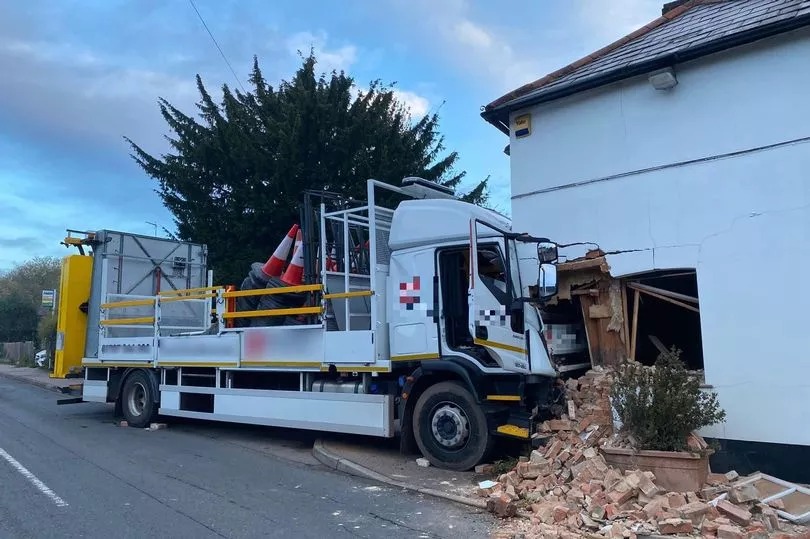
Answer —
(71, 322)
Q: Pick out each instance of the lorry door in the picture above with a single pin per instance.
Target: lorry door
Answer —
(412, 314)
(491, 296)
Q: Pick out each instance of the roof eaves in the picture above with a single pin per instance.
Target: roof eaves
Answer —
(497, 112)
(594, 55)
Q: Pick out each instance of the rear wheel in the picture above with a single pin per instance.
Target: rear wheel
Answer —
(138, 400)
(450, 428)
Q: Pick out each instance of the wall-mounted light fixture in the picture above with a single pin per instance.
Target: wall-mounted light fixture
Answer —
(663, 79)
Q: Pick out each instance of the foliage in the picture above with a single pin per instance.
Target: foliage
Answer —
(662, 405)
(31, 278)
(18, 318)
(234, 180)
(21, 294)
(503, 466)
(46, 334)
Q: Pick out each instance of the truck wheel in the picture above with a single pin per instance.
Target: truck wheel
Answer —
(137, 400)
(450, 428)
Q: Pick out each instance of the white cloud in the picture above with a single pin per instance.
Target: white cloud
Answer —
(471, 46)
(417, 104)
(86, 95)
(341, 58)
(471, 34)
(127, 82)
(608, 21)
(497, 48)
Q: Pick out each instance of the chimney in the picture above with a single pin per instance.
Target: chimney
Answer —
(669, 6)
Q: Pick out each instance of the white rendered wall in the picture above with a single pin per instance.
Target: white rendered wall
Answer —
(742, 221)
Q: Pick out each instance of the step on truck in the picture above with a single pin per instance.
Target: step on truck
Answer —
(410, 314)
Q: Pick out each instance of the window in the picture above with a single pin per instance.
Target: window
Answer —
(492, 272)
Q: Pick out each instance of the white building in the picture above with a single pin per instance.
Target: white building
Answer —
(705, 168)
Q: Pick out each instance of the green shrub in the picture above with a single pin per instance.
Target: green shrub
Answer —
(504, 465)
(660, 406)
(46, 333)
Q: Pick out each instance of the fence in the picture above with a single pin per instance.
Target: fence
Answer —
(17, 352)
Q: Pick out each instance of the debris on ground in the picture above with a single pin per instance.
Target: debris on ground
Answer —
(485, 469)
(158, 426)
(122, 423)
(568, 490)
(423, 463)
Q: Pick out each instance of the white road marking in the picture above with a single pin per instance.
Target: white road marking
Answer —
(42, 487)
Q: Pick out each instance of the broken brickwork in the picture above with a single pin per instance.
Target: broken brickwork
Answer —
(566, 489)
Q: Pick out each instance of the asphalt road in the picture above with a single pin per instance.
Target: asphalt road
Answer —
(68, 471)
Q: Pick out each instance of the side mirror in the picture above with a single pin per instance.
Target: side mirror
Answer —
(547, 252)
(547, 281)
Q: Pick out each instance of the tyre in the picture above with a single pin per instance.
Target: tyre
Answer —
(450, 428)
(138, 400)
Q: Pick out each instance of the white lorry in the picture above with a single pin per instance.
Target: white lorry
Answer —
(420, 317)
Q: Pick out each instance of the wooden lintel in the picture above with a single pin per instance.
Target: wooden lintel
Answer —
(665, 298)
(588, 263)
(585, 292)
(663, 292)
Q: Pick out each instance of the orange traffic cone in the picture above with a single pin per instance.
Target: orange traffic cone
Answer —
(275, 264)
(295, 271)
(331, 260)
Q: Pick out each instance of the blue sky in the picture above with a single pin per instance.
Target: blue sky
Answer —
(78, 75)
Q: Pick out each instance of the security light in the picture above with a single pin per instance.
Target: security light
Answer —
(663, 79)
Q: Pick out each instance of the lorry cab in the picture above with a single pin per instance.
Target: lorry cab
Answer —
(465, 285)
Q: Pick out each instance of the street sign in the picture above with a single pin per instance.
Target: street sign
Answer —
(49, 299)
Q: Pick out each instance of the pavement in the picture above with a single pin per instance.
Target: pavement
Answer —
(69, 471)
(39, 377)
(381, 461)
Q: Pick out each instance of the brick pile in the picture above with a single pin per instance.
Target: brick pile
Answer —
(567, 490)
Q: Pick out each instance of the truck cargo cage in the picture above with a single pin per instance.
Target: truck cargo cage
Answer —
(143, 315)
(132, 274)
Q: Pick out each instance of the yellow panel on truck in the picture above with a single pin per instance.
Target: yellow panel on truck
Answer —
(71, 325)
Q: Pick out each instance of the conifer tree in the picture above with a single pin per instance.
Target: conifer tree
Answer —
(235, 174)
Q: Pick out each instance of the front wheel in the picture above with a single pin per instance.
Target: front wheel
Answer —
(137, 400)
(450, 428)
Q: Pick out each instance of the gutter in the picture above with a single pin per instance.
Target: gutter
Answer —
(499, 116)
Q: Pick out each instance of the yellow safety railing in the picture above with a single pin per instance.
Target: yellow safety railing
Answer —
(217, 291)
(345, 295)
(271, 291)
(128, 303)
(164, 297)
(186, 298)
(151, 302)
(274, 312)
(192, 291)
(143, 320)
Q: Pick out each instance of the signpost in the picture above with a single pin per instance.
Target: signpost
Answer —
(49, 300)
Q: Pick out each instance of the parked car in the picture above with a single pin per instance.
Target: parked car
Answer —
(41, 358)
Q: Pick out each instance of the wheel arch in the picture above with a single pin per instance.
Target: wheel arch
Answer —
(448, 368)
(118, 386)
